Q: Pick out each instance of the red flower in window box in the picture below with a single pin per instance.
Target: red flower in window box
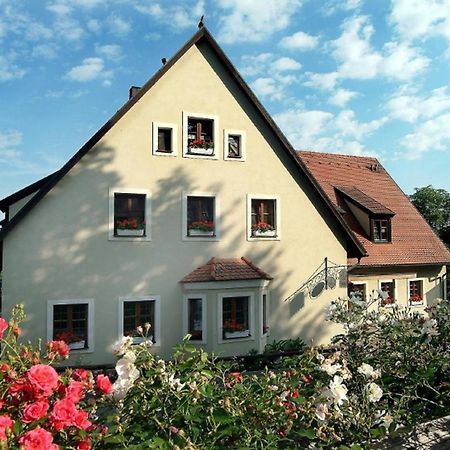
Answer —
(68, 337)
(416, 299)
(202, 225)
(388, 301)
(262, 226)
(130, 224)
(200, 143)
(229, 326)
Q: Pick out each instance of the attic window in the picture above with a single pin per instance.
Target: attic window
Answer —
(234, 145)
(164, 139)
(199, 135)
(381, 230)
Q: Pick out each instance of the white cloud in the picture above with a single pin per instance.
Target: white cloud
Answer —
(9, 70)
(299, 41)
(326, 81)
(94, 25)
(9, 139)
(421, 18)
(110, 51)
(59, 8)
(252, 21)
(69, 28)
(410, 107)
(178, 16)
(359, 60)
(347, 125)
(90, 69)
(434, 134)
(284, 64)
(272, 87)
(47, 51)
(341, 97)
(254, 65)
(118, 26)
(338, 5)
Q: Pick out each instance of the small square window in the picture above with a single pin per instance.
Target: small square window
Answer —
(381, 230)
(200, 216)
(263, 218)
(129, 214)
(195, 319)
(235, 317)
(164, 139)
(415, 292)
(200, 135)
(138, 314)
(387, 293)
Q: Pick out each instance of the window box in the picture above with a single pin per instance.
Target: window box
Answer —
(194, 232)
(416, 292)
(415, 302)
(77, 345)
(126, 232)
(236, 334)
(268, 233)
(209, 151)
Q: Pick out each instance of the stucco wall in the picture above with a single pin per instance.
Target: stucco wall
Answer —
(61, 249)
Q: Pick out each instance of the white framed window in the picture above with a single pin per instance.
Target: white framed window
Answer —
(200, 220)
(236, 317)
(164, 139)
(72, 320)
(265, 313)
(194, 317)
(357, 290)
(388, 293)
(416, 292)
(129, 214)
(137, 311)
(263, 217)
(234, 145)
(200, 135)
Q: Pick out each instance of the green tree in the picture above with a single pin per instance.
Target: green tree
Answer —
(434, 205)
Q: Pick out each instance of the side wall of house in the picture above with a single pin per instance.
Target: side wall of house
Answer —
(61, 250)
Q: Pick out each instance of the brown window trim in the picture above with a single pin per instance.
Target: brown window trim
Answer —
(388, 226)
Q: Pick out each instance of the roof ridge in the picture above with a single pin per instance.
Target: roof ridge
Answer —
(318, 152)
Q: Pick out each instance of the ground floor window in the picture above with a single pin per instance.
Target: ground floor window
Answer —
(265, 313)
(415, 292)
(387, 293)
(195, 318)
(236, 317)
(357, 291)
(71, 321)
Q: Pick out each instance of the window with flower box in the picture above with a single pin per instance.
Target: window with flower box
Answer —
(264, 217)
(234, 145)
(357, 291)
(416, 295)
(200, 216)
(164, 139)
(129, 214)
(235, 317)
(142, 313)
(71, 321)
(200, 135)
(387, 293)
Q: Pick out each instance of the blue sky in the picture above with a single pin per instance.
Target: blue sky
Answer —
(358, 77)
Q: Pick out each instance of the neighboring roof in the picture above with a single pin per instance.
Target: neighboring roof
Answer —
(353, 246)
(413, 240)
(24, 192)
(226, 269)
(363, 200)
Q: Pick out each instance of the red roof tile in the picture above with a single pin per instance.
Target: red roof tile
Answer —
(364, 200)
(226, 269)
(413, 240)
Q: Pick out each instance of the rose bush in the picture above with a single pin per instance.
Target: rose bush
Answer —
(39, 408)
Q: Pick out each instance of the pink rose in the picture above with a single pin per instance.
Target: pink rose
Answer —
(38, 439)
(59, 347)
(75, 391)
(5, 423)
(85, 444)
(3, 326)
(63, 414)
(43, 378)
(35, 411)
(81, 374)
(104, 384)
(81, 420)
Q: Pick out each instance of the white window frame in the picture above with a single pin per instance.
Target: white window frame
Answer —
(186, 298)
(277, 199)
(361, 282)
(91, 320)
(243, 139)
(424, 297)
(261, 315)
(157, 300)
(196, 115)
(251, 307)
(184, 235)
(148, 214)
(155, 128)
(396, 302)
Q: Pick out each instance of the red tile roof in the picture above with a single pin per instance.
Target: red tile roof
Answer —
(364, 200)
(413, 240)
(226, 269)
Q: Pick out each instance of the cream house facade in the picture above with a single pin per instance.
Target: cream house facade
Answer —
(189, 210)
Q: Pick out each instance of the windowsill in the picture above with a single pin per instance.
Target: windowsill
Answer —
(389, 305)
(214, 238)
(79, 351)
(416, 304)
(130, 238)
(163, 153)
(194, 155)
(263, 238)
(234, 158)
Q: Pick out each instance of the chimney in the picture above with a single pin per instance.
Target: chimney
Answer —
(133, 91)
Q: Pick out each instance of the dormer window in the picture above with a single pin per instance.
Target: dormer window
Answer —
(381, 229)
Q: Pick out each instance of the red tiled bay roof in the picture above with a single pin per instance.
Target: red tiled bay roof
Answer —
(226, 269)
(413, 240)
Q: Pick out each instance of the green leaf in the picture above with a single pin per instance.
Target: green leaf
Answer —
(221, 416)
(310, 434)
